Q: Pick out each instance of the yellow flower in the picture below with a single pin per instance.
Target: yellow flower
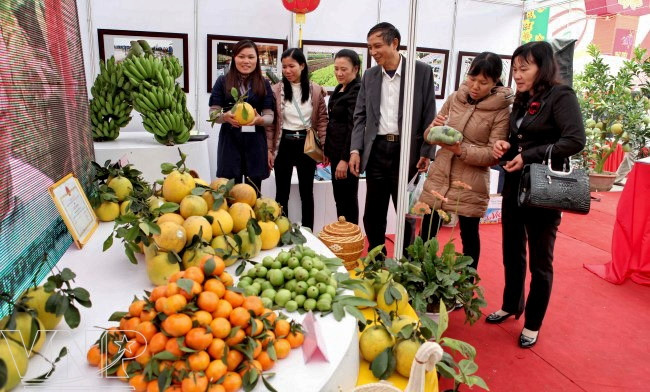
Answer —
(439, 196)
(539, 37)
(460, 184)
(526, 36)
(443, 215)
(530, 15)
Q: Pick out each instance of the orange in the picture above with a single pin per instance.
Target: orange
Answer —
(136, 308)
(112, 348)
(282, 348)
(226, 278)
(172, 288)
(282, 328)
(202, 317)
(216, 348)
(148, 315)
(199, 361)
(265, 360)
(253, 303)
(233, 359)
(269, 338)
(219, 265)
(195, 382)
(269, 315)
(180, 369)
(121, 372)
(94, 355)
(143, 355)
(223, 309)
(153, 386)
(259, 328)
(208, 301)
(239, 317)
(130, 327)
(174, 388)
(232, 382)
(173, 347)
(220, 327)
(237, 338)
(216, 370)
(215, 286)
(295, 339)
(216, 388)
(258, 349)
(131, 348)
(195, 274)
(196, 289)
(174, 304)
(160, 304)
(139, 383)
(177, 324)
(176, 276)
(157, 343)
(157, 292)
(103, 361)
(145, 330)
(198, 339)
(250, 365)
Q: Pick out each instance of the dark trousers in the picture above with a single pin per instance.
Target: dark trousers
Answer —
(382, 177)
(538, 228)
(468, 234)
(291, 153)
(346, 195)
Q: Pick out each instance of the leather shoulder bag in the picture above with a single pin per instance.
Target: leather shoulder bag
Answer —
(312, 148)
(541, 186)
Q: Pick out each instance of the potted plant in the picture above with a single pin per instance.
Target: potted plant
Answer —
(612, 111)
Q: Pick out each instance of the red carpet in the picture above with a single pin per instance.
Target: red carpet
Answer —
(595, 335)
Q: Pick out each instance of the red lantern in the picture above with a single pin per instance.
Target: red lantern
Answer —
(300, 8)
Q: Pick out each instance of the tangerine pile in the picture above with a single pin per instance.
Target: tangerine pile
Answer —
(195, 334)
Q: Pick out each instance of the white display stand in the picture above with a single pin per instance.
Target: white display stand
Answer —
(113, 281)
(146, 154)
(324, 204)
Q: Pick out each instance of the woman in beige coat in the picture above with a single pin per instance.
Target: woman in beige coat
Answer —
(300, 104)
(458, 178)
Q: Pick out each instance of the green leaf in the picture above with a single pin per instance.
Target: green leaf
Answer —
(72, 316)
(445, 370)
(130, 254)
(108, 243)
(67, 274)
(62, 304)
(185, 284)
(209, 218)
(443, 321)
(466, 349)
(3, 373)
(339, 312)
(234, 93)
(478, 381)
(270, 349)
(209, 266)
(153, 228)
(168, 207)
(164, 379)
(117, 316)
(467, 366)
(384, 317)
(388, 295)
(240, 268)
(429, 327)
(355, 301)
(268, 385)
(354, 311)
(406, 331)
(167, 168)
(81, 294)
(165, 356)
(144, 227)
(379, 365)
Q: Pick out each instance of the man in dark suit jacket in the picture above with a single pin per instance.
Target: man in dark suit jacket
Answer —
(375, 144)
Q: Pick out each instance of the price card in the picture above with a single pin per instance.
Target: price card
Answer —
(77, 213)
(313, 348)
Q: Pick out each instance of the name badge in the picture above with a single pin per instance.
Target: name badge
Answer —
(248, 128)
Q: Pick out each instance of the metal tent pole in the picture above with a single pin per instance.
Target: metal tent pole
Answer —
(405, 136)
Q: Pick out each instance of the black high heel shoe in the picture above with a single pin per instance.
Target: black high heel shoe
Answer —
(527, 342)
(494, 318)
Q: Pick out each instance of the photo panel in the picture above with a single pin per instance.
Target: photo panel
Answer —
(437, 59)
(220, 56)
(465, 60)
(118, 43)
(320, 60)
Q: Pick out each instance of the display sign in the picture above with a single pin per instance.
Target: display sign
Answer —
(75, 209)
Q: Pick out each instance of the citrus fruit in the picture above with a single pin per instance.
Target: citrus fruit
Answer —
(283, 224)
(369, 294)
(122, 187)
(397, 305)
(192, 226)
(373, 341)
(23, 330)
(172, 237)
(404, 355)
(37, 299)
(16, 361)
(159, 268)
(400, 322)
(108, 211)
(243, 193)
(193, 205)
(124, 207)
(192, 256)
(267, 209)
(221, 222)
(226, 247)
(177, 185)
(270, 235)
(244, 113)
(240, 214)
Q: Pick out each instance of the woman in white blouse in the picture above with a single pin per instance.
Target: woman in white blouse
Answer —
(300, 104)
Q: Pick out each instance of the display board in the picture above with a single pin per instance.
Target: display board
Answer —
(44, 133)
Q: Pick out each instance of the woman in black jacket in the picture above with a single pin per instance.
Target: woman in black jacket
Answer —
(339, 130)
(545, 113)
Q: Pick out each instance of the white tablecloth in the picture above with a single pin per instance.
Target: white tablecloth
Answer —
(113, 281)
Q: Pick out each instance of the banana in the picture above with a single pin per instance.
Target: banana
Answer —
(140, 67)
(152, 97)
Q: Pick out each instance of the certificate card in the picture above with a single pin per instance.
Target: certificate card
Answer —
(75, 209)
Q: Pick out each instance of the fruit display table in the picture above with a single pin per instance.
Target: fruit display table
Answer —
(113, 281)
(146, 154)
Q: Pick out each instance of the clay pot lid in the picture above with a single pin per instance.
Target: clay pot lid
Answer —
(342, 228)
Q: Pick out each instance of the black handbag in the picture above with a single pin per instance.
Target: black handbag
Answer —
(542, 187)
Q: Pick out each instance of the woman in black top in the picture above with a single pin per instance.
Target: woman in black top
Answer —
(339, 130)
(545, 114)
(241, 150)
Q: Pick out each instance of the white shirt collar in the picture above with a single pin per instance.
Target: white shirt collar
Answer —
(398, 71)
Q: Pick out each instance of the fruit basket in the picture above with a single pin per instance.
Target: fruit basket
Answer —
(345, 240)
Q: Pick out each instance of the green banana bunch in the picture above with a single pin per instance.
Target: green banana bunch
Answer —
(110, 107)
(173, 66)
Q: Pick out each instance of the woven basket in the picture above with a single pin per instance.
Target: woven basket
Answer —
(344, 239)
(382, 386)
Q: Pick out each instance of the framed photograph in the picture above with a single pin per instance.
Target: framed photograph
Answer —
(75, 209)
(465, 60)
(320, 59)
(118, 42)
(437, 59)
(220, 55)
